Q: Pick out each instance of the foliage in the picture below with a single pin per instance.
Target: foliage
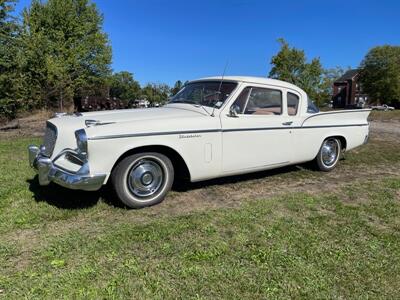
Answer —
(177, 87)
(380, 74)
(64, 50)
(155, 92)
(9, 78)
(290, 64)
(124, 87)
(57, 54)
(325, 90)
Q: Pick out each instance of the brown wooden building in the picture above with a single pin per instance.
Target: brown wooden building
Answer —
(347, 91)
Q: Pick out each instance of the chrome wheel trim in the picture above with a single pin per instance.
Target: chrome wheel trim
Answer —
(145, 178)
(330, 152)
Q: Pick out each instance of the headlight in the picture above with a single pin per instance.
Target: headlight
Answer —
(81, 141)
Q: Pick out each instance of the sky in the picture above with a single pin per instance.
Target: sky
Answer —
(163, 41)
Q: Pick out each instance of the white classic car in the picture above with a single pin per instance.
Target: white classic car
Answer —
(213, 127)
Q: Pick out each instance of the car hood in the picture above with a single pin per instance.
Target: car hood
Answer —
(171, 117)
(165, 112)
(174, 111)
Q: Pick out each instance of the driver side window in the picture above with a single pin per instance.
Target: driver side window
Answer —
(259, 101)
(240, 102)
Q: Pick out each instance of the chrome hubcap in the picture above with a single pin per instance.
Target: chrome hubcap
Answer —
(329, 152)
(145, 178)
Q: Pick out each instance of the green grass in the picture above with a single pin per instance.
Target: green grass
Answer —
(339, 243)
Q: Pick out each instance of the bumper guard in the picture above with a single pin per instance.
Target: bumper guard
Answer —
(49, 172)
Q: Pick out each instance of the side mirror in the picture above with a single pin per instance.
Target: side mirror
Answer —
(234, 110)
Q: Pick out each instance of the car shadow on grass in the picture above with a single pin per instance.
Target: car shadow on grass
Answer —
(186, 185)
(64, 198)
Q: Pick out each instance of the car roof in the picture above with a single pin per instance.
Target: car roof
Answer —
(251, 79)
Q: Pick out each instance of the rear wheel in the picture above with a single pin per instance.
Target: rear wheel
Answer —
(329, 154)
(143, 179)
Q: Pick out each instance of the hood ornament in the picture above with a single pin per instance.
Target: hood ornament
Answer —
(92, 123)
(61, 114)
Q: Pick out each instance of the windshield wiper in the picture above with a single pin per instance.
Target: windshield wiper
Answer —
(181, 100)
(195, 104)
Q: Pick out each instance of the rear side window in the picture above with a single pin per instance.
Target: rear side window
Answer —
(311, 107)
(292, 104)
(264, 102)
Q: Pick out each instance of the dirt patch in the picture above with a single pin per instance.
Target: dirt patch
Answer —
(385, 127)
(29, 125)
(392, 116)
(219, 194)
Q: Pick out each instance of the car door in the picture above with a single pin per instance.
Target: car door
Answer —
(257, 135)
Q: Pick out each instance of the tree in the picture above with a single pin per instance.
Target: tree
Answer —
(65, 50)
(380, 74)
(9, 78)
(124, 87)
(326, 88)
(177, 87)
(155, 93)
(290, 64)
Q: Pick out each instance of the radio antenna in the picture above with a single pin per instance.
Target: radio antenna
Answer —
(219, 88)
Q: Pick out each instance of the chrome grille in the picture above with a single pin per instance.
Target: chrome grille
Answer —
(50, 138)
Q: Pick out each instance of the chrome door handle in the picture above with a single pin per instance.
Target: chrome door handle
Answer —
(287, 123)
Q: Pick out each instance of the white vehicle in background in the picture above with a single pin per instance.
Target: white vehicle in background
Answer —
(383, 107)
(213, 127)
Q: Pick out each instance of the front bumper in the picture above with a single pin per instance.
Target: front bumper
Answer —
(49, 172)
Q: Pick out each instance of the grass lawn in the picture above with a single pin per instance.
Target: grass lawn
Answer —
(324, 238)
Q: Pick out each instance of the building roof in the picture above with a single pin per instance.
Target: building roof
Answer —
(348, 75)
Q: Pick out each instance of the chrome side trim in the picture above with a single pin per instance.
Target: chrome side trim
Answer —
(333, 126)
(289, 127)
(129, 135)
(336, 112)
(118, 136)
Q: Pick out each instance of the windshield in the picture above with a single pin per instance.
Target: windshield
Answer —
(207, 93)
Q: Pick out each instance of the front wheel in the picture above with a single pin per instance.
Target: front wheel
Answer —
(329, 154)
(143, 179)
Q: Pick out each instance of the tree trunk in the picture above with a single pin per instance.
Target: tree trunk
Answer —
(61, 101)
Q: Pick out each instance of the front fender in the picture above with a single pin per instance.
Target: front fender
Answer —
(104, 154)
